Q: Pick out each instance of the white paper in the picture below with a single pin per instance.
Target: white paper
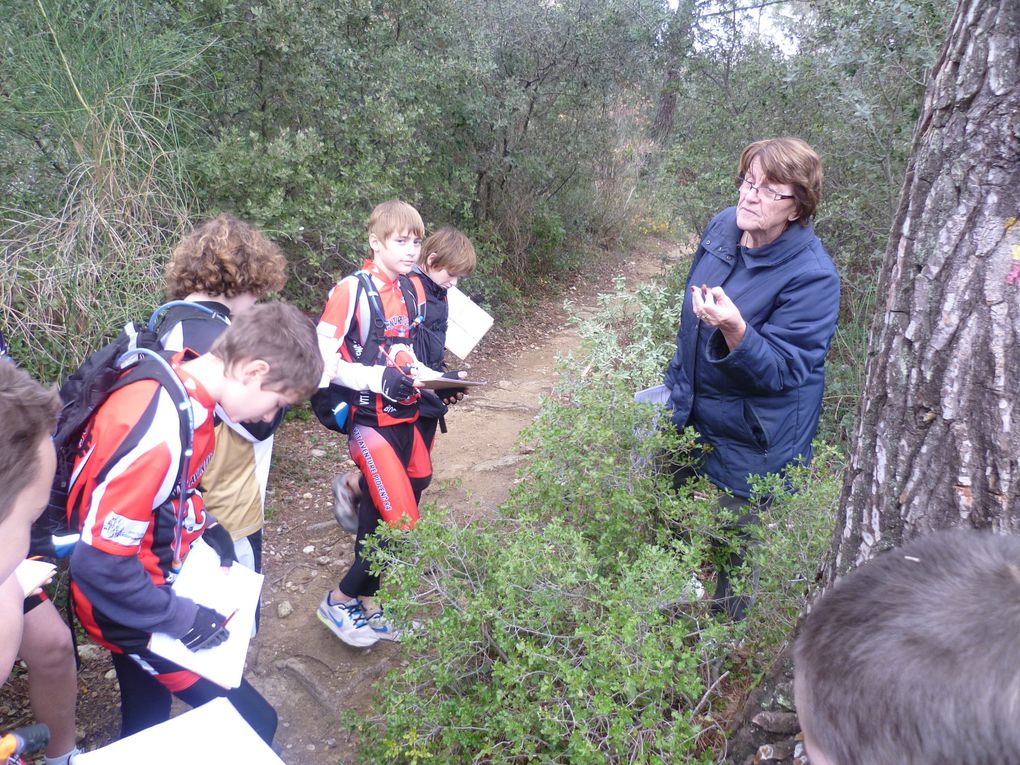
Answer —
(467, 325)
(203, 580)
(212, 734)
(33, 574)
(657, 395)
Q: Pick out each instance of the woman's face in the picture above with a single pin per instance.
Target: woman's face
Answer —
(759, 213)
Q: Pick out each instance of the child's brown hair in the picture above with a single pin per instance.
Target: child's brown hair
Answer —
(395, 217)
(911, 658)
(28, 412)
(449, 250)
(225, 256)
(280, 335)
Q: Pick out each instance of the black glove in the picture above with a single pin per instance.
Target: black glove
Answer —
(207, 631)
(396, 386)
(219, 539)
(451, 396)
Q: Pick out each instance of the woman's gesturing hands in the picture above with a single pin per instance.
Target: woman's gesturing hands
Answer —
(712, 306)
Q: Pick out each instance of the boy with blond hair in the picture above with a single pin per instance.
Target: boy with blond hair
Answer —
(446, 257)
(136, 529)
(383, 442)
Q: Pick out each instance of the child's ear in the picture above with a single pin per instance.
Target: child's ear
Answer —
(430, 261)
(254, 369)
(374, 243)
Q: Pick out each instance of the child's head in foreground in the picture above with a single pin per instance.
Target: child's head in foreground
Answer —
(271, 357)
(225, 257)
(914, 658)
(447, 256)
(395, 231)
(28, 412)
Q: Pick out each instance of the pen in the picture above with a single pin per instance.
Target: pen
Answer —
(389, 358)
(227, 620)
(393, 362)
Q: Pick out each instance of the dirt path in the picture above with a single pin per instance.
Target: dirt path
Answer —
(310, 676)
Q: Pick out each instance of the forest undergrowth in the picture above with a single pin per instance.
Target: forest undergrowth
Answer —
(571, 627)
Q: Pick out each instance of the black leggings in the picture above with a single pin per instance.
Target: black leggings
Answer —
(145, 701)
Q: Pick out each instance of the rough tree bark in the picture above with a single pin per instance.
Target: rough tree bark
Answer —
(938, 437)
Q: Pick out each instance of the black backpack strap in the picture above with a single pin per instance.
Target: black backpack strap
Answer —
(375, 308)
(151, 365)
(414, 289)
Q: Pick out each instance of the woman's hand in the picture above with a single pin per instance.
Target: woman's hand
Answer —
(712, 306)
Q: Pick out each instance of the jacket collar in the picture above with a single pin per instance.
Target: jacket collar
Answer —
(387, 283)
(722, 239)
(430, 286)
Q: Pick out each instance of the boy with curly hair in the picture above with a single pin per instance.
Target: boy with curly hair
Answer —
(224, 266)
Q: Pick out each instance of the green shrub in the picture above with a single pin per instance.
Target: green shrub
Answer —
(567, 628)
(789, 544)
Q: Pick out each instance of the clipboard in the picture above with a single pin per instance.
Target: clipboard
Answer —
(214, 732)
(467, 323)
(203, 580)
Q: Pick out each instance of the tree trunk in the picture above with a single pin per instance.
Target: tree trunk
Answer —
(938, 436)
(678, 45)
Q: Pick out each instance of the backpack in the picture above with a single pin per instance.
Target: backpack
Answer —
(135, 354)
(332, 404)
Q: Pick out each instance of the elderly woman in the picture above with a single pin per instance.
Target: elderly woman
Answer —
(759, 313)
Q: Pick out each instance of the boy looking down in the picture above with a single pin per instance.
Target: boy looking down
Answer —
(123, 492)
(385, 445)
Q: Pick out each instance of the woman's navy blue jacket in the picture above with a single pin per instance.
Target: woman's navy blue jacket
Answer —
(756, 407)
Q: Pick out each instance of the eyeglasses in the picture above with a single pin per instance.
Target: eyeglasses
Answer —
(765, 191)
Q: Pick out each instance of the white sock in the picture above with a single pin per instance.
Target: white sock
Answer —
(63, 759)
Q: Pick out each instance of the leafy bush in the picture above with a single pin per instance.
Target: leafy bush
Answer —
(568, 628)
(790, 542)
(562, 630)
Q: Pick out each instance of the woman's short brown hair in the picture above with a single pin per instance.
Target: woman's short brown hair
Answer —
(792, 161)
(225, 256)
(453, 252)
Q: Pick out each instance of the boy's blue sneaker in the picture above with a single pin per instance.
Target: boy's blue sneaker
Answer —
(383, 628)
(348, 622)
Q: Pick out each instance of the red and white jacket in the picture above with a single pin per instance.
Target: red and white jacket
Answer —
(122, 491)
